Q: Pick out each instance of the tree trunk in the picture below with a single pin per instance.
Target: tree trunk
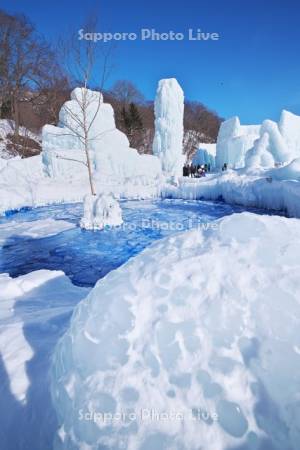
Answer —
(16, 114)
(89, 166)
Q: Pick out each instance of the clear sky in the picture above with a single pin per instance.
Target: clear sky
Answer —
(253, 70)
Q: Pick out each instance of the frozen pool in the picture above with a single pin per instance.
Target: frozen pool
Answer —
(86, 256)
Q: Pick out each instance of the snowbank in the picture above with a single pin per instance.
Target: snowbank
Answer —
(173, 350)
(100, 212)
(168, 138)
(35, 309)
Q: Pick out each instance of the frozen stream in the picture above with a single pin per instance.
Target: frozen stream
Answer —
(86, 256)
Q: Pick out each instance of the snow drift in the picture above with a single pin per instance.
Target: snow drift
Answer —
(173, 350)
(168, 138)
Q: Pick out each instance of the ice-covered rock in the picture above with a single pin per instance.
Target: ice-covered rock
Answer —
(234, 140)
(100, 212)
(175, 351)
(206, 154)
(168, 139)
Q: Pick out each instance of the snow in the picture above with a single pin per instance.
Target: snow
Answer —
(168, 138)
(99, 212)
(7, 127)
(174, 350)
(206, 154)
(35, 310)
(289, 172)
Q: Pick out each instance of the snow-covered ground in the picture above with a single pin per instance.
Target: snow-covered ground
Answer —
(6, 129)
(192, 344)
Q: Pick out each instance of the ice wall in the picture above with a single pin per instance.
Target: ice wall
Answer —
(234, 140)
(168, 139)
(206, 154)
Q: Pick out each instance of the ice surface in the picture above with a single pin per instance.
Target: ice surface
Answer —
(85, 256)
(168, 139)
(102, 211)
(176, 331)
(36, 229)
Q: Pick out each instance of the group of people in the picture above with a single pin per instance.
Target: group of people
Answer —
(195, 171)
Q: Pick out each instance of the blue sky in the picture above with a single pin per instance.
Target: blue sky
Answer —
(253, 70)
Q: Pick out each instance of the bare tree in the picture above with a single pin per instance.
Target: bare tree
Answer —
(26, 63)
(125, 92)
(83, 59)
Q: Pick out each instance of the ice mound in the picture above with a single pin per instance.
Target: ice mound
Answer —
(168, 138)
(100, 212)
(192, 344)
(113, 161)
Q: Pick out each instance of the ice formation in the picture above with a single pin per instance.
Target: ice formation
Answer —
(234, 140)
(289, 127)
(168, 139)
(100, 212)
(253, 146)
(260, 156)
(173, 350)
(206, 154)
(114, 162)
